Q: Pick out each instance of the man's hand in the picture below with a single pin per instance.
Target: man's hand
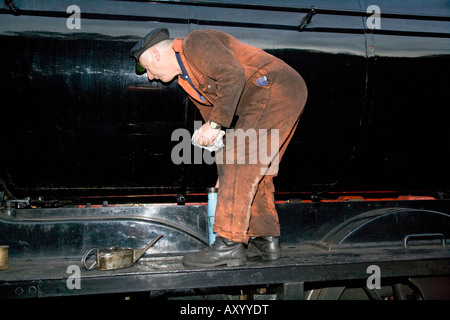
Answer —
(206, 135)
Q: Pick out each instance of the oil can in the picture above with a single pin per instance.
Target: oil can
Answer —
(112, 258)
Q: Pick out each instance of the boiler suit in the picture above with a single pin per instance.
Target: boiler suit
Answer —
(227, 78)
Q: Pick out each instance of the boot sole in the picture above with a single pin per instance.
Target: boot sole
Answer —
(267, 256)
(229, 263)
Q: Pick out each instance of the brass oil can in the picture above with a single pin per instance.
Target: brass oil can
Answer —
(112, 258)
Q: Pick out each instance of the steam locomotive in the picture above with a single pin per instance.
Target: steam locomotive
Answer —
(87, 141)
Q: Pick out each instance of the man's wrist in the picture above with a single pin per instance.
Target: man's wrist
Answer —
(214, 125)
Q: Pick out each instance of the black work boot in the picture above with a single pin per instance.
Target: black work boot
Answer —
(222, 251)
(268, 248)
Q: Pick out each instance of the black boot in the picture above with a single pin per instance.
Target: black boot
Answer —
(268, 248)
(222, 251)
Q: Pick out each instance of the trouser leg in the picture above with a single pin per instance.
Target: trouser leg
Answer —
(245, 205)
(264, 216)
(234, 207)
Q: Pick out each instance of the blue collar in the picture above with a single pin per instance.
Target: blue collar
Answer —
(185, 75)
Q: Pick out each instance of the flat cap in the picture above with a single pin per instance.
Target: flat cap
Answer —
(152, 38)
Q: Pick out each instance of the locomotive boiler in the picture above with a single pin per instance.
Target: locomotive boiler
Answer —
(87, 143)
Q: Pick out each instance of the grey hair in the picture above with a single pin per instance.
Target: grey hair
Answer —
(163, 44)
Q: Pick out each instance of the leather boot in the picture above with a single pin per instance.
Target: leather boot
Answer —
(268, 248)
(222, 251)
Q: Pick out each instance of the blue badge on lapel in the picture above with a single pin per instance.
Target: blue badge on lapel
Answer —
(262, 82)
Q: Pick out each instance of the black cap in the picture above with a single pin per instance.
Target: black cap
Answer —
(152, 38)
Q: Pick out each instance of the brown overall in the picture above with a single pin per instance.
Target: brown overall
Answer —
(229, 75)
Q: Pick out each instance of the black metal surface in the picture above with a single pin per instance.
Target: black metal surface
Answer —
(78, 125)
(70, 231)
(390, 224)
(37, 278)
(347, 237)
(79, 121)
(361, 221)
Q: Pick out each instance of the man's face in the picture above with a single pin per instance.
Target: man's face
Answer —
(156, 65)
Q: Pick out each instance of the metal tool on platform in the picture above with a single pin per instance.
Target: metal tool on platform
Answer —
(112, 258)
